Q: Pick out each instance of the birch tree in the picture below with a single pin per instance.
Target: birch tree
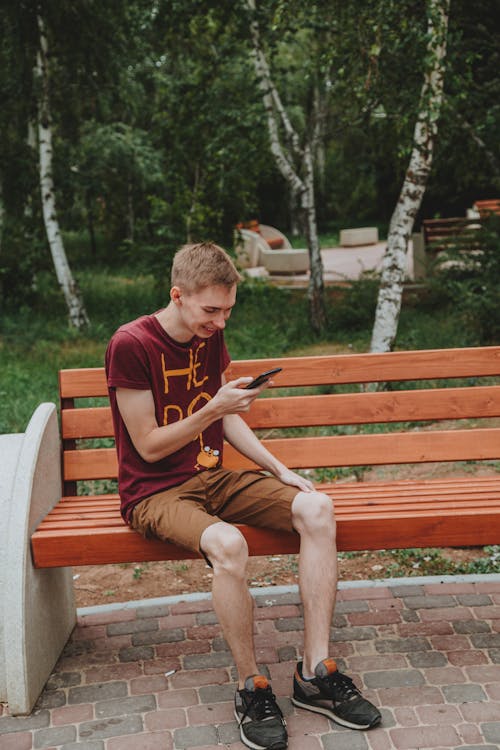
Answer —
(289, 151)
(76, 309)
(415, 181)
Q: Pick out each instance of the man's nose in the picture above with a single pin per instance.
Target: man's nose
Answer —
(220, 320)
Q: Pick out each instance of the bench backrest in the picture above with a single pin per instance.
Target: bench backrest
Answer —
(321, 414)
(438, 233)
(488, 207)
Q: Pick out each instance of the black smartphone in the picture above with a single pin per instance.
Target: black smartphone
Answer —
(263, 377)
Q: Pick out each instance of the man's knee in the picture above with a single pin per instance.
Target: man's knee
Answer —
(226, 547)
(313, 512)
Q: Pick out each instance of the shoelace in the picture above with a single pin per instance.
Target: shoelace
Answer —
(265, 704)
(343, 685)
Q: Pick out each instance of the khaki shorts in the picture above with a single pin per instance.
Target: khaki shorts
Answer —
(181, 514)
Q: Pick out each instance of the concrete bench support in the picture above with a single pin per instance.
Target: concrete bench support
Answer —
(37, 610)
(360, 236)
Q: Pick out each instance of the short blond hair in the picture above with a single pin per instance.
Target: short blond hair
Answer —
(201, 265)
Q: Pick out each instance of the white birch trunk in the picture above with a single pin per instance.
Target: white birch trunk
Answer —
(76, 310)
(413, 189)
(302, 188)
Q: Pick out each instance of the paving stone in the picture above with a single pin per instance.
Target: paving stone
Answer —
(91, 745)
(486, 640)
(167, 719)
(51, 699)
(410, 696)
(428, 602)
(494, 655)
(17, 741)
(411, 590)
(229, 734)
(190, 737)
(403, 645)
(479, 712)
(410, 738)
(160, 636)
(268, 600)
(474, 600)
(393, 678)
(36, 720)
(448, 614)
(132, 626)
(208, 661)
(217, 693)
(462, 658)
(464, 693)
(345, 741)
(76, 648)
(491, 731)
(150, 741)
(94, 693)
(471, 626)
(72, 714)
(410, 615)
(421, 659)
(345, 608)
(125, 706)
(353, 634)
(136, 653)
(287, 653)
(115, 726)
(63, 680)
(54, 736)
(154, 610)
(289, 623)
(206, 618)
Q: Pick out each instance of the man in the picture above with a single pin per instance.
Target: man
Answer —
(172, 407)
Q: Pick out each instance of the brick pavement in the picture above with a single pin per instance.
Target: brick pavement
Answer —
(427, 653)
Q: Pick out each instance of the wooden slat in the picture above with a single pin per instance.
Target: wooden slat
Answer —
(336, 450)
(83, 382)
(333, 409)
(331, 369)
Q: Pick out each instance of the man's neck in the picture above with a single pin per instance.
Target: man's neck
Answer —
(168, 318)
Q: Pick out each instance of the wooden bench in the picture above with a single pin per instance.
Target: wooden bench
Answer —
(335, 424)
(488, 207)
(454, 233)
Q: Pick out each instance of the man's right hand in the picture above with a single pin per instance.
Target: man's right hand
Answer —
(234, 398)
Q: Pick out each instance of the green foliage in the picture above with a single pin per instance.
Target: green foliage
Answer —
(467, 275)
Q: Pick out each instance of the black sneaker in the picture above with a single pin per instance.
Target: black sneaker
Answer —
(335, 695)
(261, 721)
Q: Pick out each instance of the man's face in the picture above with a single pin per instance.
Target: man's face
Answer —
(204, 312)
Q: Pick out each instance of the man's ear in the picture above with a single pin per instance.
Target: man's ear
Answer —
(175, 295)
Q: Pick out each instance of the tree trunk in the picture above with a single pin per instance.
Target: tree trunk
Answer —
(301, 188)
(76, 310)
(413, 189)
(315, 290)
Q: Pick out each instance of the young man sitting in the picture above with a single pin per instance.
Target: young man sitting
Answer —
(172, 407)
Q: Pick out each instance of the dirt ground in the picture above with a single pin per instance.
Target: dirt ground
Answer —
(131, 581)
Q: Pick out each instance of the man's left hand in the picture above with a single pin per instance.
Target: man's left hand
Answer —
(295, 480)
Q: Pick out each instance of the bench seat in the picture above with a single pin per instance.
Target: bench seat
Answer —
(88, 530)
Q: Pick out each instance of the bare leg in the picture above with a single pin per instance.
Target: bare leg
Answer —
(313, 518)
(227, 550)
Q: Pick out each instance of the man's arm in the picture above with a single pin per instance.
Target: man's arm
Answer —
(154, 442)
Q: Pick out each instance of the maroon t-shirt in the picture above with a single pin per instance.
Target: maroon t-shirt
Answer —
(183, 378)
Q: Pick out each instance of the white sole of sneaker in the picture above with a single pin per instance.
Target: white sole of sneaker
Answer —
(330, 714)
(251, 744)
